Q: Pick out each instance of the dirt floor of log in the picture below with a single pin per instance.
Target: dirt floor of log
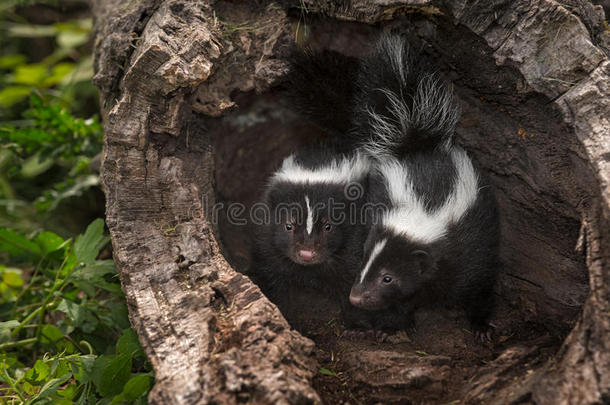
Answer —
(435, 364)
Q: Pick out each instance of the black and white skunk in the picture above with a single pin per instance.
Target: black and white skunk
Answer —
(312, 237)
(436, 242)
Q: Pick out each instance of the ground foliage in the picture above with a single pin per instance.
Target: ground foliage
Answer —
(64, 332)
(67, 337)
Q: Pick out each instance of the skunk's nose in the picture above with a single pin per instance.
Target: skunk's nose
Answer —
(355, 300)
(307, 255)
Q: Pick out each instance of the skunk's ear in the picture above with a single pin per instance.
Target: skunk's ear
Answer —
(424, 260)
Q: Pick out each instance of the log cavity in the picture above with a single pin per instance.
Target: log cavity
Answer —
(515, 137)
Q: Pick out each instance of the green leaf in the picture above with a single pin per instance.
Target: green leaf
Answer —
(50, 242)
(13, 323)
(13, 94)
(117, 315)
(326, 371)
(40, 371)
(10, 61)
(12, 277)
(88, 245)
(115, 375)
(31, 30)
(116, 400)
(33, 75)
(6, 329)
(73, 311)
(50, 334)
(99, 365)
(68, 267)
(128, 343)
(136, 387)
(83, 72)
(69, 392)
(15, 244)
(72, 39)
(90, 322)
(81, 25)
(51, 387)
(102, 274)
(36, 165)
(58, 73)
(82, 369)
(95, 271)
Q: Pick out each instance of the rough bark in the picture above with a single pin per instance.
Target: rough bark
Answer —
(208, 331)
(533, 78)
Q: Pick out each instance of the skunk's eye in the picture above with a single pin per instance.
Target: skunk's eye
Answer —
(387, 279)
(289, 227)
(328, 227)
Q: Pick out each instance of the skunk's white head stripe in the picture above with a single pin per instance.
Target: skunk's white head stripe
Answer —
(338, 171)
(409, 216)
(376, 250)
(309, 216)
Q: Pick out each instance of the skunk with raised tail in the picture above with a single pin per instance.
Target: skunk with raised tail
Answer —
(436, 241)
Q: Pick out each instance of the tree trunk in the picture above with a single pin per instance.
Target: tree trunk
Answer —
(194, 122)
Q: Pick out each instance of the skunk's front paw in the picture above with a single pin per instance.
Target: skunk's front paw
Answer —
(484, 332)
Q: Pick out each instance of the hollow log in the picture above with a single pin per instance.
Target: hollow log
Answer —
(194, 120)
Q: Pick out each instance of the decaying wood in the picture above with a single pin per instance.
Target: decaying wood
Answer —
(533, 78)
(209, 333)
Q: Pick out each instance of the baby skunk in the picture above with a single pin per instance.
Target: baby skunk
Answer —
(312, 240)
(437, 240)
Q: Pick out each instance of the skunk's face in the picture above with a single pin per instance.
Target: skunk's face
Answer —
(393, 271)
(305, 228)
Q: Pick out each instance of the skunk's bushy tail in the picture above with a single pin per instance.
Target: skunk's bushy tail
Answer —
(320, 86)
(401, 108)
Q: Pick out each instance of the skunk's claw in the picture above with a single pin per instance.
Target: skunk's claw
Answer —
(484, 333)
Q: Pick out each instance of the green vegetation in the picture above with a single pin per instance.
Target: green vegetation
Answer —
(64, 333)
(67, 339)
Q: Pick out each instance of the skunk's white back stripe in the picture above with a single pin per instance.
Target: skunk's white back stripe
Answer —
(337, 171)
(409, 216)
(376, 250)
(309, 216)
(465, 190)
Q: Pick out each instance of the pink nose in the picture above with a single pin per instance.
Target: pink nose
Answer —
(307, 255)
(355, 300)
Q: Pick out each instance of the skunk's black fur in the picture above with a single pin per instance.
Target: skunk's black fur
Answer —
(320, 87)
(315, 186)
(437, 241)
